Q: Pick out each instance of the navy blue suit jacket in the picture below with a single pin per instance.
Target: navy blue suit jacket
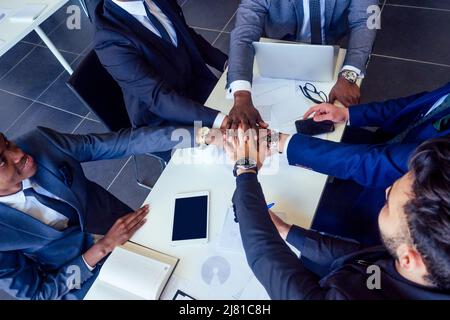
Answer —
(336, 269)
(157, 81)
(37, 261)
(373, 164)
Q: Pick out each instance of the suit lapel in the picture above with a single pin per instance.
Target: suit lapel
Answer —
(54, 184)
(415, 107)
(12, 221)
(299, 12)
(329, 10)
(179, 26)
(130, 22)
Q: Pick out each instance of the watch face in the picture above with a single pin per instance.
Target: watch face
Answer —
(350, 76)
(246, 163)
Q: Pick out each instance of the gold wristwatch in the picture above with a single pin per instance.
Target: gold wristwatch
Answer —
(202, 134)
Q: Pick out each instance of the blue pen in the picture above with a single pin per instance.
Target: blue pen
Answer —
(270, 205)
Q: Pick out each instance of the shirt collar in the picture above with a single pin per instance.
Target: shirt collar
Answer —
(135, 8)
(18, 197)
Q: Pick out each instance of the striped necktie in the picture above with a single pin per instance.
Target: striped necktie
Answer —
(401, 136)
(315, 21)
(157, 24)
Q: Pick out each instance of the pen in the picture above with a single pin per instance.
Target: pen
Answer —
(270, 205)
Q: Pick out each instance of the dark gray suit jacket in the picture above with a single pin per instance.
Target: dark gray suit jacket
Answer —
(276, 19)
(330, 268)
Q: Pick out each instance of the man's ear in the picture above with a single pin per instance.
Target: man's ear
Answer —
(410, 259)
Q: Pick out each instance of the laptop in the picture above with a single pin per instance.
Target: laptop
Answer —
(297, 61)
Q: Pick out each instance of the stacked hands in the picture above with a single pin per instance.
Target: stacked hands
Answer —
(244, 134)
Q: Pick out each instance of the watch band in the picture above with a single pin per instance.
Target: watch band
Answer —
(245, 164)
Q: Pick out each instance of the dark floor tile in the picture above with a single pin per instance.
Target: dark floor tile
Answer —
(415, 34)
(41, 115)
(223, 42)
(231, 24)
(391, 78)
(13, 56)
(126, 188)
(209, 35)
(35, 73)
(5, 296)
(51, 23)
(437, 4)
(61, 96)
(11, 107)
(102, 172)
(211, 14)
(75, 40)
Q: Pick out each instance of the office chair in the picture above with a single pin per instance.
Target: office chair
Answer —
(102, 95)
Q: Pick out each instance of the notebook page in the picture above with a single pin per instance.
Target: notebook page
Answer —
(141, 276)
(104, 291)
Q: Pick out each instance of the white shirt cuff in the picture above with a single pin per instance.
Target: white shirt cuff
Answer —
(87, 265)
(352, 68)
(238, 85)
(286, 145)
(219, 120)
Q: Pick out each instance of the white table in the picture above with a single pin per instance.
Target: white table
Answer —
(12, 32)
(296, 192)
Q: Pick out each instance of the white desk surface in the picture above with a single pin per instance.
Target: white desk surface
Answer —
(296, 192)
(13, 32)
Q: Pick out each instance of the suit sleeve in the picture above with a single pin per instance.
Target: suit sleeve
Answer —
(250, 20)
(320, 248)
(369, 165)
(361, 37)
(273, 263)
(24, 279)
(120, 144)
(376, 114)
(135, 75)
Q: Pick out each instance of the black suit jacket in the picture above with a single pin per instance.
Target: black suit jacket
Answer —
(330, 268)
(160, 82)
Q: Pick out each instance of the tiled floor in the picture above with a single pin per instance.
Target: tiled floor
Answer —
(411, 54)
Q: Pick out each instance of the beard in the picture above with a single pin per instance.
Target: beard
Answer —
(391, 243)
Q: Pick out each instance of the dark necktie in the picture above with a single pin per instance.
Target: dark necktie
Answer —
(315, 21)
(57, 205)
(157, 24)
(401, 136)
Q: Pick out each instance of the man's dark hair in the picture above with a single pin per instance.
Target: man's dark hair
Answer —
(428, 212)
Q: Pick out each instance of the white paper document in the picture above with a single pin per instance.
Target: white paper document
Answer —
(129, 275)
(28, 13)
(230, 238)
(4, 12)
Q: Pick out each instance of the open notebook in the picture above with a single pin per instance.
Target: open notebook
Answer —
(133, 272)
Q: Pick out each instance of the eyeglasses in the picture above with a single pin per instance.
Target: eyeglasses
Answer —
(310, 91)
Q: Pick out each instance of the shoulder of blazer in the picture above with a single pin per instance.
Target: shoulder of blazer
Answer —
(109, 28)
(42, 136)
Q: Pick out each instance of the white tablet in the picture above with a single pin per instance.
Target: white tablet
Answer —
(191, 218)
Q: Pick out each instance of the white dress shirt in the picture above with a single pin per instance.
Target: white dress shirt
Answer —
(137, 10)
(437, 104)
(31, 206)
(305, 36)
